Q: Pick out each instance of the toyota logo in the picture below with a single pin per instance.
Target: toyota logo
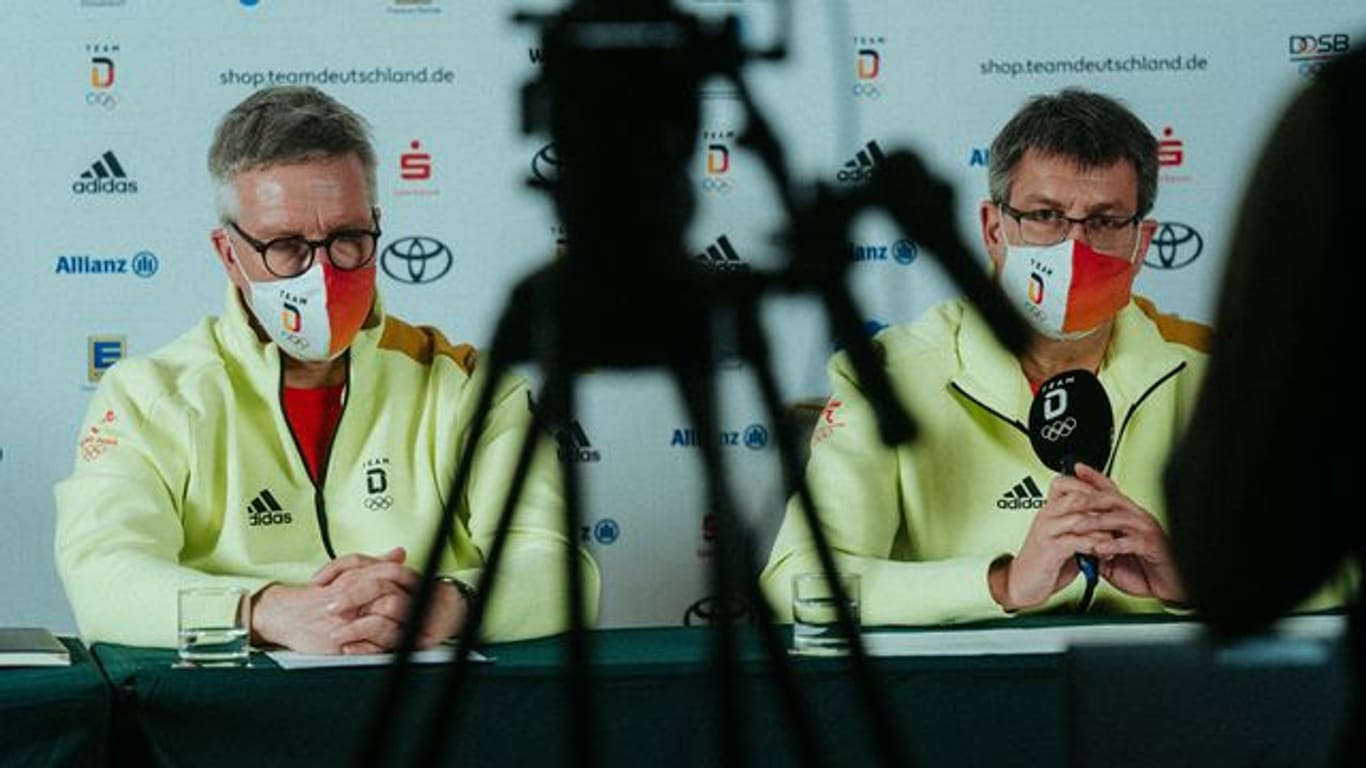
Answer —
(1174, 246)
(545, 167)
(706, 611)
(417, 259)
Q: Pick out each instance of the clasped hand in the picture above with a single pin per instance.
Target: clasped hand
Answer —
(355, 604)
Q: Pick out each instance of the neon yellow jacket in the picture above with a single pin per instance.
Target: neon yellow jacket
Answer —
(187, 473)
(922, 522)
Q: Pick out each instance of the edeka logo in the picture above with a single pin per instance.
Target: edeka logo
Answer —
(417, 259)
(574, 445)
(102, 75)
(143, 264)
(105, 176)
(716, 179)
(605, 531)
(1174, 245)
(860, 167)
(720, 256)
(868, 67)
(1310, 52)
(754, 437)
(903, 252)
(101, 353)
(545, 167)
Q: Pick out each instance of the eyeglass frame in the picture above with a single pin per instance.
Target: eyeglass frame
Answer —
(1019, 216)
(261, 246)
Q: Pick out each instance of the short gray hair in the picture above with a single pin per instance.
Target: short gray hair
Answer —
(1094, 130)
(281, 125)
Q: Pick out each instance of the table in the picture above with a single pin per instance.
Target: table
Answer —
(54, 715)
(655, 706)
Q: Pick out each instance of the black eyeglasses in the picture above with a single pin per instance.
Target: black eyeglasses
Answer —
(292, 256)
(1109, 234)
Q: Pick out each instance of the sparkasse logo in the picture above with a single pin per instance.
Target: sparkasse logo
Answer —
(105, 176)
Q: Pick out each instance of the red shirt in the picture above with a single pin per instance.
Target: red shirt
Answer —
(312, 415)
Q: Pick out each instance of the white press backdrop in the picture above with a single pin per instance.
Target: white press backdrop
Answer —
(127, 92)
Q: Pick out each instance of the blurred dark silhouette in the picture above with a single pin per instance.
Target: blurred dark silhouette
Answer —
(1263, 502)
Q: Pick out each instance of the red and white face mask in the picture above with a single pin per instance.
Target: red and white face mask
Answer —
(314, 316)
(1068, 290)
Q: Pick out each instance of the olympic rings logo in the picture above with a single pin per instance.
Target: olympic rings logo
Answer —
(1054, 431)
(867, 91)
(102, 99)
(717, 186)
(378, 503)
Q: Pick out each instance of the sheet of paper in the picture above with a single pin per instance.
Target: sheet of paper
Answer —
(1045, 640)
(296, 660)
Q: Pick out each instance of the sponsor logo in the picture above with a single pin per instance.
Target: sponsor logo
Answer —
(979, 157)
(377, 497)
(710, 609)
(860, 167)
(868, 67)
(716, 179)
(574, 445)
(415, 171)
(1171, 155)
(105, 176)
(536, 54)
(754, 437)
(605, 531)
(265, 510)
(1024, 495)
(1309, 53)
(95, 441)
(102, 75)
(1174, 245)
(101, 354)
(143, 264)
(417, 259)
(720, 256)
(413, 6)
(545, 167)
(903, 252)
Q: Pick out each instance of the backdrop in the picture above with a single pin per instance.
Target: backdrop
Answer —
(109, 105)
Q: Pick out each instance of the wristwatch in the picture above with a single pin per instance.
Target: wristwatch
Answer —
(465, 589)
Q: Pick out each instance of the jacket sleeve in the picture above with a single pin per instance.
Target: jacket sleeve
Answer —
(530, 598)
(856, 484)
(118, 533)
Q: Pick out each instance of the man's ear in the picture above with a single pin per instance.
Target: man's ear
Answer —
(993, 232)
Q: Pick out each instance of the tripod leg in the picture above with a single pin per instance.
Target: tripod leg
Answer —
(755, 347)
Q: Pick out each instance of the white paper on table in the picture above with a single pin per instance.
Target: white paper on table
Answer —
(296, 660)
(1052, 640)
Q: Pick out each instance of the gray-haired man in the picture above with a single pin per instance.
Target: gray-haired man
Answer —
(966, 523)
(303, 443)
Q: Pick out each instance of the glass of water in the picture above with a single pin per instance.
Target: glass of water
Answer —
(213, 626)
(816, 627)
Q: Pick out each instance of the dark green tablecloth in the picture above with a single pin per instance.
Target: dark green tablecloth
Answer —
(654, 698)
(52, 716)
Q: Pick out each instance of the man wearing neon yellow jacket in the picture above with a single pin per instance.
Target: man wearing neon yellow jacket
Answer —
(302, 444)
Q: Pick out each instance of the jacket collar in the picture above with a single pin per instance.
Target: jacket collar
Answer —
(1135, 360)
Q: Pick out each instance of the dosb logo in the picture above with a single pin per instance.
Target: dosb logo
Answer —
(1312, 52)
(417, 259)
(1174, 245)
(105, 176)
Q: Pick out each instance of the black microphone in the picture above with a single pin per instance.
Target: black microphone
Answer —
(1070, 422)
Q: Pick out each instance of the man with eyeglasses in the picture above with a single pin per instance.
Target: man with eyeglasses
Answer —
(302, 444)
(966, 523)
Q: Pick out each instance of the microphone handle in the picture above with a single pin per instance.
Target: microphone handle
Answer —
(1085, 563)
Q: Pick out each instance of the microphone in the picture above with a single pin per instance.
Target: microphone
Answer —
(1070, 422)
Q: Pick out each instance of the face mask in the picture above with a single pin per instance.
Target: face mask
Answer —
(1065, 291)
(314, 316)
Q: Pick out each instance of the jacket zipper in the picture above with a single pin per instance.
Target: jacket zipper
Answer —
(1123, 425)
(319, 500)
(990, 410)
